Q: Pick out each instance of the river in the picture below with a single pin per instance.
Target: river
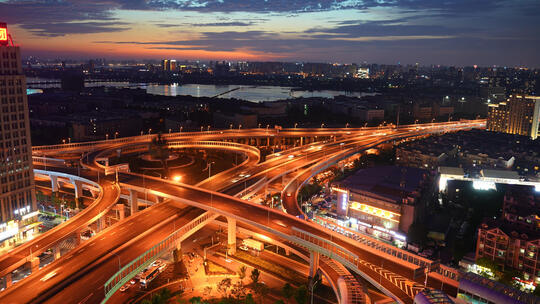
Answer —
(244, 92)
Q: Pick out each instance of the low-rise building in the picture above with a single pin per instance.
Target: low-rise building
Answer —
(514, 240)
(474, 149)
(382, 201)
(474, 288)
(245, 120)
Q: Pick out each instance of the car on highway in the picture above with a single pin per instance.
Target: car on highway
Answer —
(124, 287)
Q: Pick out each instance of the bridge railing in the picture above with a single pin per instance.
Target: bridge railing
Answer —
(184, 144)
(382, 247)
(92, 145)
(352, 261)
(48, 161)
(137, 265)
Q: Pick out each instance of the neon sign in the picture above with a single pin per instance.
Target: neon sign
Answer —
(3, 35)
(378, 212)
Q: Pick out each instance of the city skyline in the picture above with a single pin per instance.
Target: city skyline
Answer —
(390, 32)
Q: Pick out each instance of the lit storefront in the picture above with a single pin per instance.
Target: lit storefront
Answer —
(368, 219)
(20, 229)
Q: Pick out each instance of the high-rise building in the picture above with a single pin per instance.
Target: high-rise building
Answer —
(17, 192)
(517, 115)
(168, 65)
(165, 65)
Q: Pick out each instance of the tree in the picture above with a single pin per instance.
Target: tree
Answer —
(507, 276)
(262, 290)
(287, 291)
(255, 273)
(249, 299)
(536, 291)
(238, 290)
(417, 233)
(279, 302)
(301, 294)
(156, 299)
(223, 286)
(207, 290)
(195, 300)
(242, 273)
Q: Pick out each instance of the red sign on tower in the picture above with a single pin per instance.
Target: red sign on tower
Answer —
(3, 34)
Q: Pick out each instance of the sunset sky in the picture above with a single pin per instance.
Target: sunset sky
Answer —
(449, 32)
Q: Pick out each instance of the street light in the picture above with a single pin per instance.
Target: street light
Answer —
(230, 126)
(322, 125)
(347, 125)
(181, 129)
(107, 136)
(115, 134)
(177, 178)
(295, 124)
(209, 165)
(259, 126)
(312, 285)
(210, 174)
(208, 128)
(239, 127)
(202, 128)
(149, 131)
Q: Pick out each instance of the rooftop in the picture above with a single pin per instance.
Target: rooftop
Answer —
(494, 291)
(392, 182)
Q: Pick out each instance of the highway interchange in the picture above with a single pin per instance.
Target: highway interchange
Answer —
(79, 275)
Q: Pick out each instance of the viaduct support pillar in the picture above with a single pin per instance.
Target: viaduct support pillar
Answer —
(100, 223)
(8, 280)
(78, 191)
(34, 264)
(56, 252)
(133, 202)
(313, 263)
(54, 183)
(231, 235)
(177, 252)
(121, 211)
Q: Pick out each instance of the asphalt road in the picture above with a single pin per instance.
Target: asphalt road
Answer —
(275, 223)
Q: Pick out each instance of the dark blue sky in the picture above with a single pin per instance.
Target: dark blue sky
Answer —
(451, 32)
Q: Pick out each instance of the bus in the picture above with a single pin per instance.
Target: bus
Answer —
(148, 275)
(252, 244)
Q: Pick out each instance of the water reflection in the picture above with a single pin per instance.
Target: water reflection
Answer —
(249, 93)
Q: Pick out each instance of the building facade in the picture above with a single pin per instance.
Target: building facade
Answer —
(382, 201)
(17, 191)
(517, 115)
(513, 241)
